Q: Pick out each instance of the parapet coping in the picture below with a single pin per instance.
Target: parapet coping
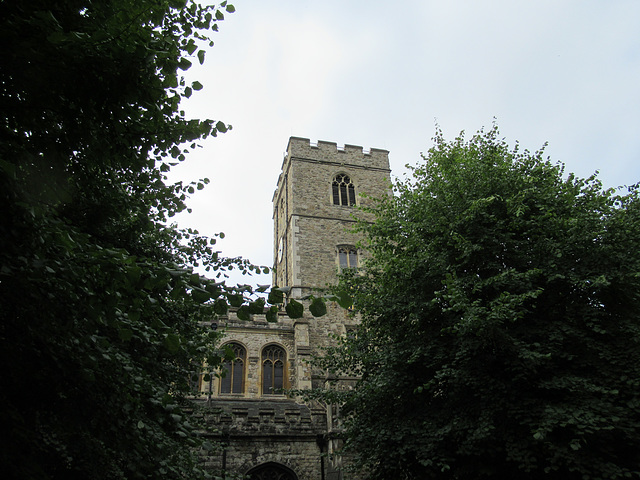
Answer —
(324, 145)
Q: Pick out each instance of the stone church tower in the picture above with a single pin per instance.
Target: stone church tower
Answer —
(266, 434)
(313, 210)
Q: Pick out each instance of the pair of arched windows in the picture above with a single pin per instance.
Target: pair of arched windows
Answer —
(273, 362)
(344, 191)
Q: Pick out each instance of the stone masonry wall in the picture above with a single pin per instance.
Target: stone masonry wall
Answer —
(305, 217)
(253, 428)
(251, 433)
(318, 240)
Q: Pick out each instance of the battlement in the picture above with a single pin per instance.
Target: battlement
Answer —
(332, 152)
(282, 417)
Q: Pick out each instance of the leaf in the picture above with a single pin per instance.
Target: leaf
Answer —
(125, 334)
(213, 289)
(201, 54)
(171, 80)
(272, 314)
(344, 299)
(172, 342)
(8, 168)
(318, 308)
(235, 300)
(276, 296)
(244, 313)
(220, 306)
(207, 446)
(257, 307)
(191, 46)
(57, 38)
(196, 85)
(294, 309)
(200, 295)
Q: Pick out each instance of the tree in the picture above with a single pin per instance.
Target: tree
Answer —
(102, 318)
(500, 333)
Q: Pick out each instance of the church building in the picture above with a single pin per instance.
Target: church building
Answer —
(264, 433)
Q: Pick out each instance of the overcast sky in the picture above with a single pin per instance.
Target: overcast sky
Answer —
(382, 74)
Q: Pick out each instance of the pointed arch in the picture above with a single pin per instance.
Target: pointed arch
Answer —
(274, 363)
(233, 381)
(343, 190)
(271, 471)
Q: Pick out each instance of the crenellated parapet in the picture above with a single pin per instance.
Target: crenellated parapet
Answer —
(332, 152)
(245, 417)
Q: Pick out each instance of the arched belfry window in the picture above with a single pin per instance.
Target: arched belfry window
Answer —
(233, 381)
(273, 363)
(347, 257)
(344, 192)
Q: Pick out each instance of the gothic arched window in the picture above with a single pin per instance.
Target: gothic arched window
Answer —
(347, 257)
(344, 192)
(233, 381)
(273, 362)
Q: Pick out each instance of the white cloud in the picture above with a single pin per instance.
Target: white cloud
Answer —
(378, 74)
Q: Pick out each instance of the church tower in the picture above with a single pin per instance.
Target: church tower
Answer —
(263, 431)
(313, 210)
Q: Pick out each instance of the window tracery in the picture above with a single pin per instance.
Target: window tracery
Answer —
(233, 381)
(273, 363)
(344, 191)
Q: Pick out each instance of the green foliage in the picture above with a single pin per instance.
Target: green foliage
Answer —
(101, 313)
(294, 309)
(276, 296)
(318, 307)
(500, 324)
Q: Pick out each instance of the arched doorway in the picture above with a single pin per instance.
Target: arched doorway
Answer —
(271, 471)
